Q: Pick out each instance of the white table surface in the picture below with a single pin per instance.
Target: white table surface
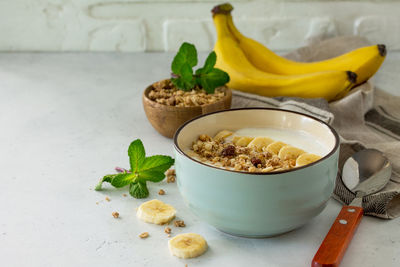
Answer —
(67, 119)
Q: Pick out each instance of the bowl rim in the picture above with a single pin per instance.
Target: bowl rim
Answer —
(335, 134)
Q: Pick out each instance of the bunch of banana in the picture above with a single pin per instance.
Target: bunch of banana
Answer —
(255, 69)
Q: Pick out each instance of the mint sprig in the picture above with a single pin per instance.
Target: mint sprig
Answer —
(142, 169)
(207, 77)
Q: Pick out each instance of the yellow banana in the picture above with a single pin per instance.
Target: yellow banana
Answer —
(364, 61)
(245, 77)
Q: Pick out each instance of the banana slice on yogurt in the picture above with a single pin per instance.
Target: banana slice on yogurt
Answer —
(306, 158)
(274, 147)
(156, 211)
(289, 152)
(189, 245)
(242, 140)
(222, 135)
(260, 142)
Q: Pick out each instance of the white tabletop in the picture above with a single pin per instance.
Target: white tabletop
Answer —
(67, 120)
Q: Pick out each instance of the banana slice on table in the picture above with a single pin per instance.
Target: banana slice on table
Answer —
(222, 135)
(289, 152)
(188, 245)
(306, 158)
(260, 142)
(156, 211)
(274, 147)
(242, 140)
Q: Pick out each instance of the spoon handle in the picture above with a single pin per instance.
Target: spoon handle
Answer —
(332, 249)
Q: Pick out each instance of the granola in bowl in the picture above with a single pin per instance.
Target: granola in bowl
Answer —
(164, 92)
(250, 154)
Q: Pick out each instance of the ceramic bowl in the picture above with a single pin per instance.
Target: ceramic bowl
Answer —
(167, 119)
(256, 204)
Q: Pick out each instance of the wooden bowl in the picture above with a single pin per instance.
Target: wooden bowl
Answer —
(167, 119)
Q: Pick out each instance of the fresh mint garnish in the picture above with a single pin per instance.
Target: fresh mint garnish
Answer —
(142, 169)
(206, 77)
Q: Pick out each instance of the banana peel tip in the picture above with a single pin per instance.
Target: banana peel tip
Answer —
(382, 50)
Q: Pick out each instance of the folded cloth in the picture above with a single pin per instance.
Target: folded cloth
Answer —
(366, 118)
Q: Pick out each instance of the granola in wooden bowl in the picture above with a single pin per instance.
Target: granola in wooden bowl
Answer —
(171, 102)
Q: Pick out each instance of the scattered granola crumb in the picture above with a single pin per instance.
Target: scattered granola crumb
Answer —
(97, 203)
(161, 192)
(144, 235)
(171, 172)
(179, 223)
(108, 199)
(115, 214)
(171, 175)
(124, 195)
(169, 235)
(167, 230)
(171, 179)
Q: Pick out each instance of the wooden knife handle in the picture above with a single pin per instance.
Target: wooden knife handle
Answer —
(332, 249)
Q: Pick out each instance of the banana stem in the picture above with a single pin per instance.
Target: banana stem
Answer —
(222, 9)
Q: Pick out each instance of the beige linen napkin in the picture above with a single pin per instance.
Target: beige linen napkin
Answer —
(366, 118)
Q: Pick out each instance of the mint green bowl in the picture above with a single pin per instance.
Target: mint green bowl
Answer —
(255, 204)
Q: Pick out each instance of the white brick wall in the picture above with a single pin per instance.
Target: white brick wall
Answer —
(162, 25)
(377, 28)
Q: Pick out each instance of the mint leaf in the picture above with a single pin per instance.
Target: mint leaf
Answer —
(187, 77)
(178, 82)
(186, 73)
(186, 81)
(153, 176)
(209, 77)
(136, 154)
(144, 169)
(208, 64)
(213, 79)
(206, 77)
(157, 163)
(187, 54)
(182, 67)
(107, 178)
(138, 190)
(122, 179)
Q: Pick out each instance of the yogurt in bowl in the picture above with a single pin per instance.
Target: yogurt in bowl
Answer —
(256, 203)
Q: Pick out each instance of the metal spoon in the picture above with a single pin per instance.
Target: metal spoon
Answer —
(364, 173)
